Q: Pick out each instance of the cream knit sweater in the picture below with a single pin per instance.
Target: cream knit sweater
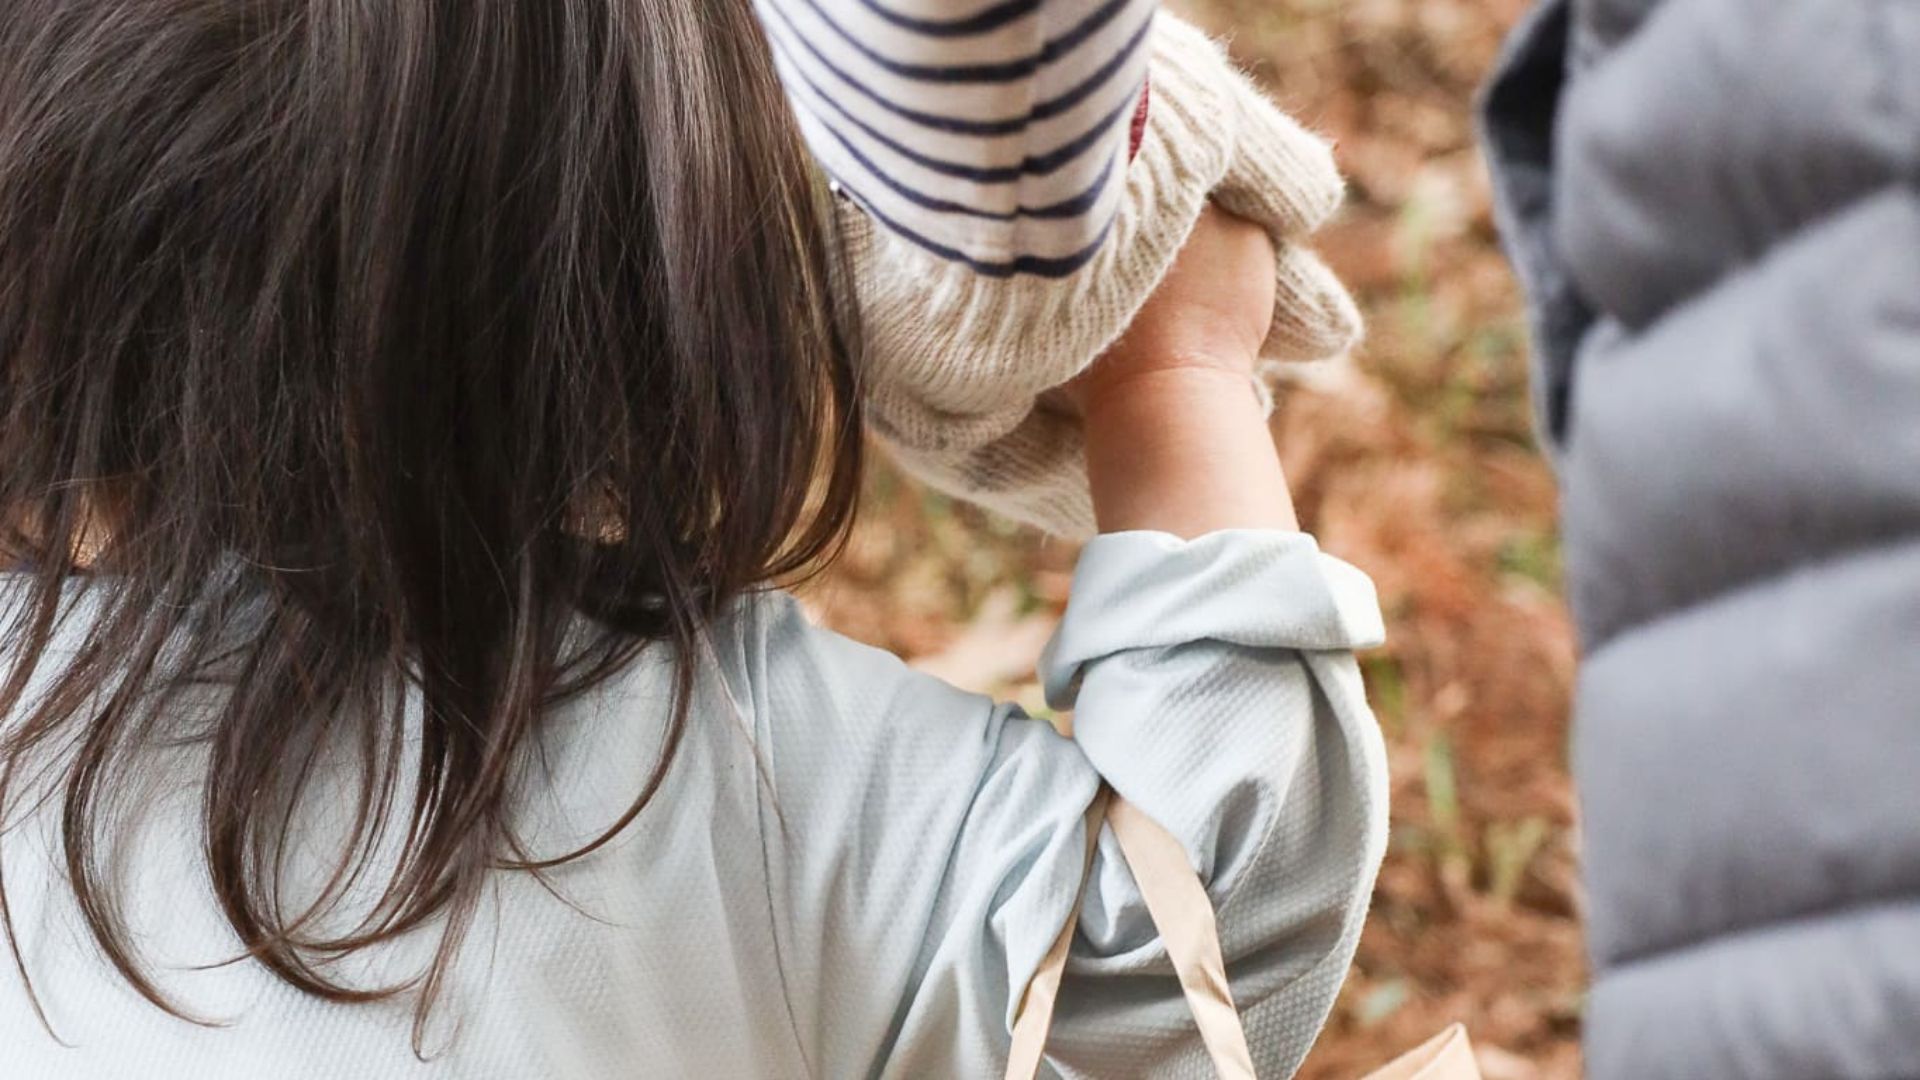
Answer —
(959, 365)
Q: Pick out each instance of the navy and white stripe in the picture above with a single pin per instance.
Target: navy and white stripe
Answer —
(993, 134)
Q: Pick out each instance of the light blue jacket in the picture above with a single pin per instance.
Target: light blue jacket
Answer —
(851, 870)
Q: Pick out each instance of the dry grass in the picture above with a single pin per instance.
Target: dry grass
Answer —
(1416, 463)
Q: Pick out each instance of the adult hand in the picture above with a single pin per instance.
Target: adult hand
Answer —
(1209, 315)
(1177, 437)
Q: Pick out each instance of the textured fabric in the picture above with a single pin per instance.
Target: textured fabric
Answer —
(958, 363)
(851, 869)
(995, 138)
(1714, 208)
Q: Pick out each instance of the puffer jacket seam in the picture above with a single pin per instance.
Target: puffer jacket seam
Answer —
(1728, 935)
(1773, 577)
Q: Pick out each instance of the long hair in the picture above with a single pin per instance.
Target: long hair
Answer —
(372, 356)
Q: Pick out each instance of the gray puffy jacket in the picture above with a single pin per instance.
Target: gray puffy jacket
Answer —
(1715, 205)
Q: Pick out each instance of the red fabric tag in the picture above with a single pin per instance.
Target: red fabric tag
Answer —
(1139, 129)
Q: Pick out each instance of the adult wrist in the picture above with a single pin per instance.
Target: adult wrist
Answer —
(1184, 450)
(1116, 379)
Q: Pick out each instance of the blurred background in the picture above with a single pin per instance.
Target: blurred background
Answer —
(1416, 462)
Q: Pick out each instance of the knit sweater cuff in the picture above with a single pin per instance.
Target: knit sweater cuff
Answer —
(957, 363)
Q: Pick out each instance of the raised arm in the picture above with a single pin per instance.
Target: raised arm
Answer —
(925, 845)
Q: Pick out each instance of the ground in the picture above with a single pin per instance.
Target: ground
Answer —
(1415, 462)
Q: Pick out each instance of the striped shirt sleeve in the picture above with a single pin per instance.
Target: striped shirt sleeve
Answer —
(993, 133)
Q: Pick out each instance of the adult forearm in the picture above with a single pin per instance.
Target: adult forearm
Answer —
(1183, 449)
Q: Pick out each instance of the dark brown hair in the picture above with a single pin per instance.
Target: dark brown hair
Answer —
(443, 350)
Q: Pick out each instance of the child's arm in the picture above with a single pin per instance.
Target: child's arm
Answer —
(962, 366)
(992, 136)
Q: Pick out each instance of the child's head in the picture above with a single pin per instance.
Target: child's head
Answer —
(399, 331)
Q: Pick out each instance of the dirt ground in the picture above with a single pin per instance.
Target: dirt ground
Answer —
(1415, 462)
